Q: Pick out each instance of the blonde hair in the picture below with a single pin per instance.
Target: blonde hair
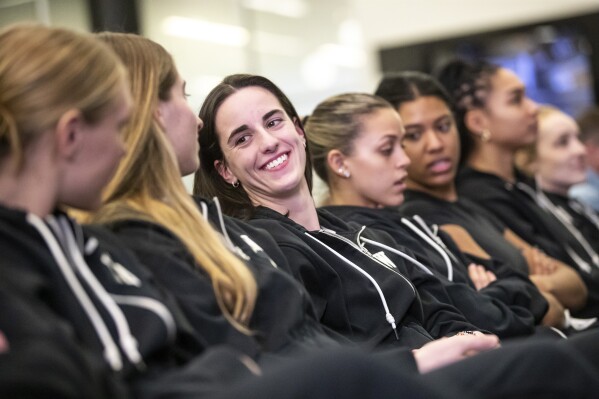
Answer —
(148, 184)
(526, 156)
(45, 72)
(335, 123)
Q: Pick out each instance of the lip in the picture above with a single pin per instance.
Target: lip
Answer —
(279, 166)
(440, 166)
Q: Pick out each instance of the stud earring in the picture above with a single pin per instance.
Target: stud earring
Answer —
(485, 135)
(235, 183)
(344, 172)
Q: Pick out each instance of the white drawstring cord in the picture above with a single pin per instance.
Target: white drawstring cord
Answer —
(111, 351)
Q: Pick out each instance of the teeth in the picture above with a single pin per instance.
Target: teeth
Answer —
(276, 162)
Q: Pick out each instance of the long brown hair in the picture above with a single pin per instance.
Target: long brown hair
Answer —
(208, 182)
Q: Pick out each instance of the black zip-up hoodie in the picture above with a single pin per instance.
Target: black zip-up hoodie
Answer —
(505, 307)
(117, 312)
(283, 322)
(514, 205)
(356, 288)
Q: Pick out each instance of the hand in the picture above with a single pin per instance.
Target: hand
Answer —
(446, 351)
(480, 276)
(3, 343)
(538, 262)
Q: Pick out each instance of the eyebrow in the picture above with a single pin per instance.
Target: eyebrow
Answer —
(244, 127)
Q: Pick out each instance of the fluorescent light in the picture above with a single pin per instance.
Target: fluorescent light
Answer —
(287, 8)
(197, 29)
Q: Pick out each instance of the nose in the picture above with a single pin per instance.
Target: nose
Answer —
(433, 142)
(200, 123)
(533, 106)
(403, 161)
(268, 142)
(578, 147)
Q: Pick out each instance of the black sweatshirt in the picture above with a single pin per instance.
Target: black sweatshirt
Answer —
(508, 307)
(483, 226)
(86, 280)
(355, 292)
(514, 205)
(283, 322)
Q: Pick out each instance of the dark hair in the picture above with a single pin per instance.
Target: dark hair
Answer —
(208, 182)
(468, 84)
(588, 122)
(401, 87)
(335, 123)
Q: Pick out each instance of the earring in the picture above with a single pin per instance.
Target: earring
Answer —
(304, 143)
(485, 135)
(344, 172)
(235, 184)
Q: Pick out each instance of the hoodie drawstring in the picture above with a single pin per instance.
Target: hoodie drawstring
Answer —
(111, 351)
(388, 316)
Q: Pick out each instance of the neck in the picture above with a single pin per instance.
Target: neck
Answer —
(550, 187)
(492, 159)
(298, 206)
(341, 192)
(30, 188)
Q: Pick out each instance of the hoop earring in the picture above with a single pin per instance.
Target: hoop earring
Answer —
(485, 135)
(235, 184)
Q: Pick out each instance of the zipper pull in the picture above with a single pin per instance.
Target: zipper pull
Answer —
(119, 272)
(391, 320)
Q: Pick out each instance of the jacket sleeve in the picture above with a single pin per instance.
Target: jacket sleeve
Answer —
(499, 203)
(44, 359)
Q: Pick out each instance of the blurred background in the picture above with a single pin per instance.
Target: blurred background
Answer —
(315, 48)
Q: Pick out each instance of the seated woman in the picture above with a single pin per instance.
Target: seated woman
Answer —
(431, 140)
(495, 118)
(356, 136)
(281, 321)
(557, 161)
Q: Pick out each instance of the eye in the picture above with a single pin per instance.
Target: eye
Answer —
(386, 151)
(412, 135)
(517, 98)
(444, 126)
(562, 141)
(274, 122)
(242, 139)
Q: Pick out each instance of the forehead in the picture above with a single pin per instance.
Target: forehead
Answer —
(247, 103)
(423, 107)
(557, 123)
(382, 121)
(505, 80)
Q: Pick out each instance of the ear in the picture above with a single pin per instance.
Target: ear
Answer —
(336, 162)
(476, 121)
(224, 171)
(298, 128)
(69, 134)
(159, 115)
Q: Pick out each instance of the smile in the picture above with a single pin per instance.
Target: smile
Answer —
(276, 162)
